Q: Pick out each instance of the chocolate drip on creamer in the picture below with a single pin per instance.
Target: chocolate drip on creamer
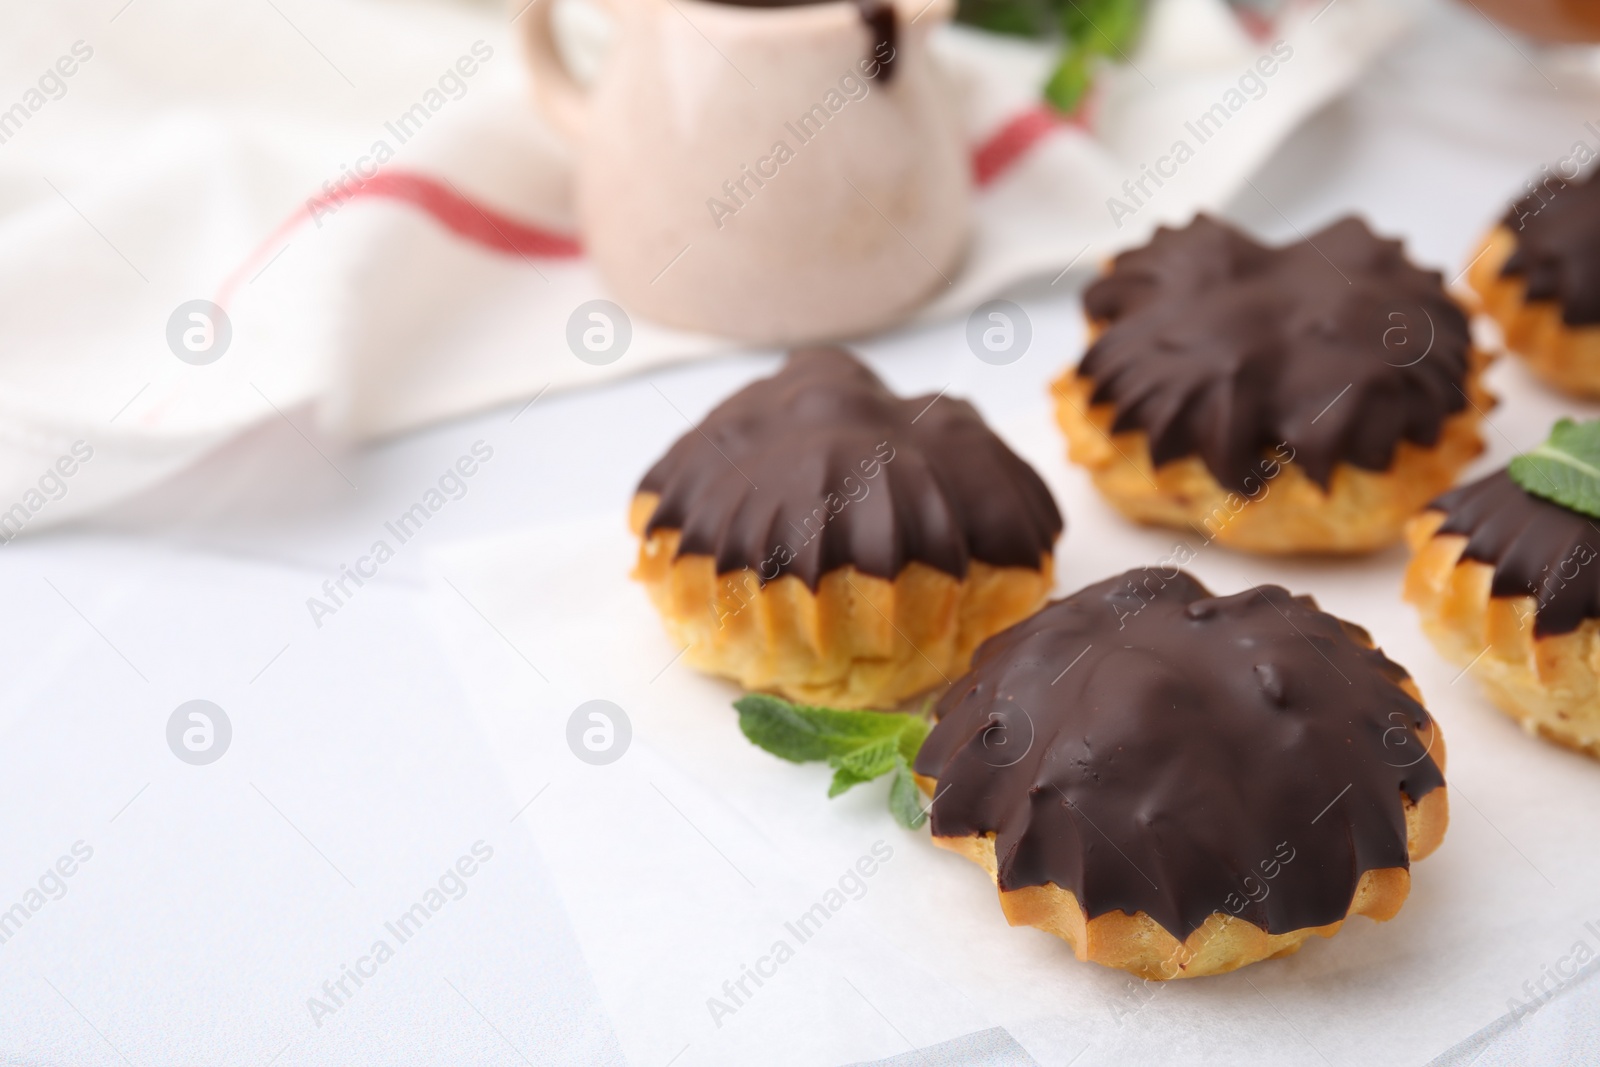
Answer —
(879, 17)
(1152, 748)
(1537, 548)
(1557, 228)
(821, 467)
(1219, 347)
(885, 28)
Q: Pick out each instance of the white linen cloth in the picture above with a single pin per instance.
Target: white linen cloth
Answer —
(172, 163)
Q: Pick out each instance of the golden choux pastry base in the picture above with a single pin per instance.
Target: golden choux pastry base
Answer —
(1551, 685)
(1361, 511)
(1141, 946)
(1567, 357)
(858, 641)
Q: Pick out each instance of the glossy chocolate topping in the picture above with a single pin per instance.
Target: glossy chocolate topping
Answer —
(1153, 748)
(1537, 548)
(880, 20)
(1218, 347)
(820, 467)
(1558, 247)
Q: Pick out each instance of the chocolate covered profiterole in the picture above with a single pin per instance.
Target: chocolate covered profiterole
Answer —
(1180, 784)
(1507, 586)
(1538, 275)
(820, 537)
(1308, 398)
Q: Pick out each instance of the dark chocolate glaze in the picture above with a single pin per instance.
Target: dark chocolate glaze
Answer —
(880, 20)
(1150, 747)
(821, 466)
(1537, 548)
(1558, 246)
(1219, 347)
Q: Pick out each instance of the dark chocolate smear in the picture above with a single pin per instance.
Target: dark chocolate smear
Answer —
(1153, 748)
(885, 29)
(1557, 227)
(820, 467)
(1219, 347)
(881, 22)
(1537, 548)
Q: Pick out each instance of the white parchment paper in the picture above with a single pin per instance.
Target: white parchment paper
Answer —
(682, 862)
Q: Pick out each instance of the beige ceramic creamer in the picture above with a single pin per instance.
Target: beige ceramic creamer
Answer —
(770, 173)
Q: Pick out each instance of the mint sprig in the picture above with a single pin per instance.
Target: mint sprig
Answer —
(860, 746)
(1095, 30)
(1566, 468)
(1090, 32)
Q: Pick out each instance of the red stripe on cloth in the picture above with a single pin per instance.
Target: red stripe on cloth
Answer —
(488, 228)
(465, 217)
(1004, 148)
(1258, 26)
(481, 225)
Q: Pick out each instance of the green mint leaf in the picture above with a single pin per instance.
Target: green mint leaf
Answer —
(911, 738)
(1095, 30)
(1071, 80)
(905, 799)
(1088, 30)
(1565, 468)
(859, 745)
(870, 761)
(844, 779)
(801, 733)
(1105, 27)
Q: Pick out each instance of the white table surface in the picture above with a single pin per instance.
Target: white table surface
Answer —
(219, 899)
